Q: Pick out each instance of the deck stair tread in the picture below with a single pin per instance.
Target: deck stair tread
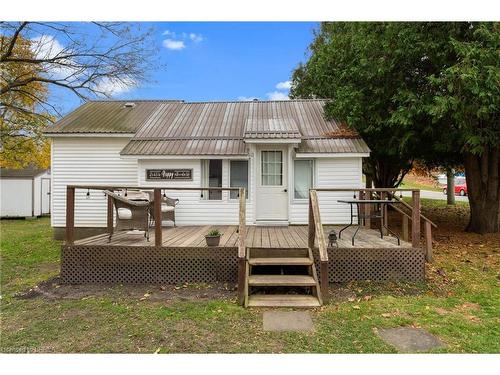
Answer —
(285, 261)
(283, 300)
(281, 280)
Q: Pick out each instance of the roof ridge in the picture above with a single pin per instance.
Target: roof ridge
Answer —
(201, 102)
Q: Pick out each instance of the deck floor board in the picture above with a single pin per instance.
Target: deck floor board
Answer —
(293, 236)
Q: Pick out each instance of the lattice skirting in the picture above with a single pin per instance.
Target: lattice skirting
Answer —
(147, 264)
(376, 264)
(138, 264)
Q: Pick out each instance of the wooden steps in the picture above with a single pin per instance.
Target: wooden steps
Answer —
(280, 261)
(282, 300)
(281, 280)
(272, 273)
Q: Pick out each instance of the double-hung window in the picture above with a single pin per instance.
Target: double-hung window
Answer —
(211, 176)
(302, 178)
(238, 176)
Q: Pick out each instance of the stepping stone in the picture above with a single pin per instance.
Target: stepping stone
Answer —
(407, 339)
(282, 321)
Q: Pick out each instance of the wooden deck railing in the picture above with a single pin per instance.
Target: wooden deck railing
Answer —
(415, 215)
(70, 218)
(316, 234)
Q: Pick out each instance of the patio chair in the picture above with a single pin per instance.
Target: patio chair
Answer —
(130, 214)
(167, 208)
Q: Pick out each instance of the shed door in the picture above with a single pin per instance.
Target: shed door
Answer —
(45, 198)
(272, 185)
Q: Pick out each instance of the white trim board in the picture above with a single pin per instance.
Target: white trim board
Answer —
(89, 135)
(310, 155)
(185, 157)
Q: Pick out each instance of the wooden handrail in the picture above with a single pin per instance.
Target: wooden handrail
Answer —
(410, 207)
(364, 189)
(116, 187)
(316, 231)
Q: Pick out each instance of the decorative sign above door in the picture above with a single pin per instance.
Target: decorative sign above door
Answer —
(169, 174)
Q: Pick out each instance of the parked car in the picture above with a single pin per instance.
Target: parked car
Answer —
(460, 189)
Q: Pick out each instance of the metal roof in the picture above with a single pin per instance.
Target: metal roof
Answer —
(333, 145)
(29, 172)
(106, 116)
(163, 127)
(186, 147)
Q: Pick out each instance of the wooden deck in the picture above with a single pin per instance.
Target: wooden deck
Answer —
(293, 236)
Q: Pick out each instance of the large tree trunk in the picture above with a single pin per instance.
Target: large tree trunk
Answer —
(450, 186)
(482, 174)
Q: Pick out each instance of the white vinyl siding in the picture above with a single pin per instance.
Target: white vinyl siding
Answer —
(87, 161)
(331, 173)
(193, 209)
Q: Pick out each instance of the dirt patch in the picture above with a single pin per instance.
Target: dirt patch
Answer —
(52, 289)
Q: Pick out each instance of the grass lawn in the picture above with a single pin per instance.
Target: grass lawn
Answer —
(460, 303)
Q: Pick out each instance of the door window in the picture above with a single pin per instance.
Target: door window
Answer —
(272, 168)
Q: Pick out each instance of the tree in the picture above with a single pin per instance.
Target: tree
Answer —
(38, 60)
(469, 94)
(377, 76)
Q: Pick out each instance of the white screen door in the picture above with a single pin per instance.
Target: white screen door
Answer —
(272, 185)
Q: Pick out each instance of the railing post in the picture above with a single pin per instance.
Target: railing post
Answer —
(70, 215)
(428, 241)
(242, 247)
(367, 207)
(415, 218)
(110, 215)
(405, 228)
(311, 224)
(384, 195)
(157, 212)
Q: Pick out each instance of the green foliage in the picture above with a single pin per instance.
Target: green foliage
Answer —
(214, 233)
(468, 91)
(378, 76)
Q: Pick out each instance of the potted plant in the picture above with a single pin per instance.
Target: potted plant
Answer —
(213, 237)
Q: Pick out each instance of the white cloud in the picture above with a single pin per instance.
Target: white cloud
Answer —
(47, 47)
(177, 41)
(113, 87)
(197, 38)
(286, 85)
(175, 45)
(277, 95)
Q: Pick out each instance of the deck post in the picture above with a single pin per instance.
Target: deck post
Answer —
(405, 228)
(242, 247)
(110, 215)
(415, 218)
(384, 195)
(157, 212)
(428, 241)
(70, 215)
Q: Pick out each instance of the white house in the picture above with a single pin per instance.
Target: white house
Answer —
(24, 192)
(275, 149)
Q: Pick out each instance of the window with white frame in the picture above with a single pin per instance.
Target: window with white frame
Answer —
(238, 176)
(211, 176)
(272, 168)
(302, 178)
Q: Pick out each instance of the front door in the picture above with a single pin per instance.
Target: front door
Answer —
(272, 184)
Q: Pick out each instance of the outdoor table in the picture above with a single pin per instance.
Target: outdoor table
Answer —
(362, 216)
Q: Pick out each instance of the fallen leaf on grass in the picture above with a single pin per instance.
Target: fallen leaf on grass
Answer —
(441, 311)
(386, 315)
(157, 351)
(356, 307)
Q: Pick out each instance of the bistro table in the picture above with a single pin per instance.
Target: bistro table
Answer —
(379, 214)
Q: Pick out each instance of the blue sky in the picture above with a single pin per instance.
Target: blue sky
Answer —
(222, 61)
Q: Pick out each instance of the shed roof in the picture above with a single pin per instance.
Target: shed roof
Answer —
(29, 172)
